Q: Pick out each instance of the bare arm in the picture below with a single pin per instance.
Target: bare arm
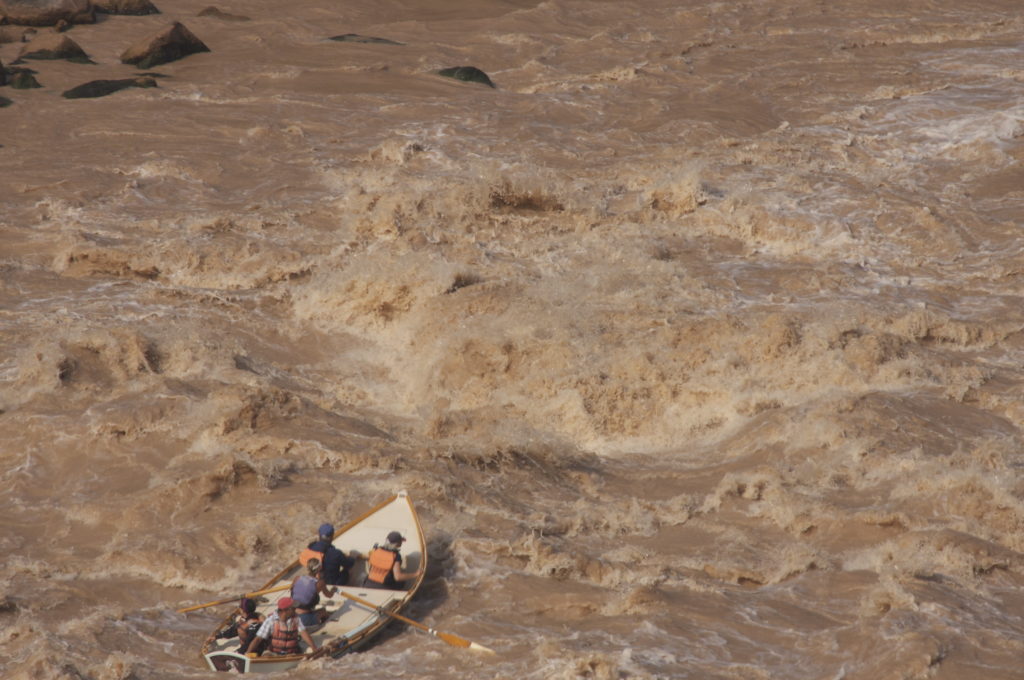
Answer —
(309, 640)
(404, 575)
(251, 649)
(321, 585)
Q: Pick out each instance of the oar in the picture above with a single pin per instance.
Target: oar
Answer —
(453, 640)
(235, 598)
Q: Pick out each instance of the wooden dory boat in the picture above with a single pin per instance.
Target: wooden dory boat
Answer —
(351, 622)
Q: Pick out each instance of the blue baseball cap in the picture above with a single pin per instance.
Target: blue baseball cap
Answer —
(326, 530)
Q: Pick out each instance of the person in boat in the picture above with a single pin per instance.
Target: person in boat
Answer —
(282, 631)
(335, 563)
(384, 564)
(306, 590)
(244, 624)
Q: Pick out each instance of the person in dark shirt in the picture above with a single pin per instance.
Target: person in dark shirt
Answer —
(335, 563)
(245, 622)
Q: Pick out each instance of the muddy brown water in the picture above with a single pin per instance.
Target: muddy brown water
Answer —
(696, 341)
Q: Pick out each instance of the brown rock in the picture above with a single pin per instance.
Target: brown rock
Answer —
(170, 44)
(22, 79)
(54, 46)
(130, 7)
(218, 13)
(101, 88)
(15, 34)
(46, 12)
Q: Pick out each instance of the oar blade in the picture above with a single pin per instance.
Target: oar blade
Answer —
(453, 640)
(456, 641)
(477, 647)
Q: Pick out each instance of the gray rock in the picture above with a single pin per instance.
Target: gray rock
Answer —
(469, 74)
(54, 46)
(46, 12)
(356, 38)
(169, 44)
(129, 7)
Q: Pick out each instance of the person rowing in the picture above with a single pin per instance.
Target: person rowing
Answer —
(306, 590)
(245, 622)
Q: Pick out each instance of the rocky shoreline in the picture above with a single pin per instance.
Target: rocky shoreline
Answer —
(42, 27)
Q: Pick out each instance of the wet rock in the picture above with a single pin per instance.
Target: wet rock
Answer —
(46, 12)
(4, 103)
(170, 44)
(129, 7)
(101, 88)
(470, 74)
(54, 46)
(218, 13)
(22, 79)
(356, 38)
(16, 34)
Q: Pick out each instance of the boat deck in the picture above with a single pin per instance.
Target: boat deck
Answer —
(347, 616)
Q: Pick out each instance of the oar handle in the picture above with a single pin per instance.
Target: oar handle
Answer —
(235, 598)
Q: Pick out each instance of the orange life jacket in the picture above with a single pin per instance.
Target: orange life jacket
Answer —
(381, 562)
(285, 638)
(307, 554)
